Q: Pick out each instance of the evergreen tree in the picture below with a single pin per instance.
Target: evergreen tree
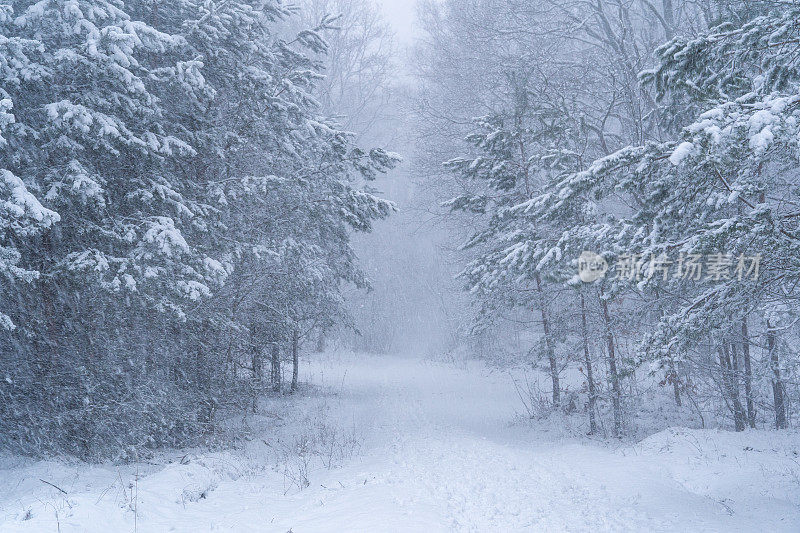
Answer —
(171, 197)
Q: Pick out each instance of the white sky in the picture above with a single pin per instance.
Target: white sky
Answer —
(400, 14)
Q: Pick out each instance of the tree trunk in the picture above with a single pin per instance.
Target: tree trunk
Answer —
(730, 386)
(673, 377)
(777, 381)
(320, 341)
(616, 392)
(669, 19)
(46, 344)
(738, 410)
(588, 361)
(548, 340)
(748, 375)
(295, 358)
(203, 376)
(672, 371)
(275, 374)
(256, 364)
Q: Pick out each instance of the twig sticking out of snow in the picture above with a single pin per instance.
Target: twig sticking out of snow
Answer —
(54, 486)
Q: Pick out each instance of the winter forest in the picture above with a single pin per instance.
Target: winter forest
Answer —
(399, 265)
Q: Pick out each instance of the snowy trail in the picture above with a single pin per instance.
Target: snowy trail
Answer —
(440, 454)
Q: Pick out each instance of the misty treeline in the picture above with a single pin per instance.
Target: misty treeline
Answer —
(656, 133)
(176, 214)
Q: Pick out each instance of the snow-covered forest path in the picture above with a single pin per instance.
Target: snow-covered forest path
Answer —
(436, 451)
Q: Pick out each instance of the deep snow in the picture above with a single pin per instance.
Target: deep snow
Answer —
(406, 444)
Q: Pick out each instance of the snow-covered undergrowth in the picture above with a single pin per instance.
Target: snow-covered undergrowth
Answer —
(405, 444)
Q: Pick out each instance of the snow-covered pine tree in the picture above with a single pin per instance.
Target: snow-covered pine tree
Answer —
(588, 61)
(725, 191)
(745, 144)
(158, 153)
(21, 212)
(284, 184)
(517, 266)
(89, 139)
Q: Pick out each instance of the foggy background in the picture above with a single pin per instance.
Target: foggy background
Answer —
(415, 303)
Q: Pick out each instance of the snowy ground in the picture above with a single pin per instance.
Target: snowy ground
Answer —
(403, 444)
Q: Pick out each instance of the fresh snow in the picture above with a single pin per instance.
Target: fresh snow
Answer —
(416, 445)
(680, 153)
